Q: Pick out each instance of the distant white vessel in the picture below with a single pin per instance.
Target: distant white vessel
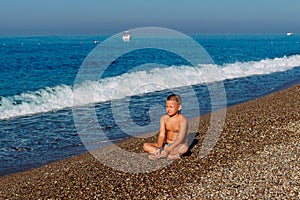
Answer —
(126, 36)
(289, 33)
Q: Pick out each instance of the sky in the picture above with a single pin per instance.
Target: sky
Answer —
(89, 17)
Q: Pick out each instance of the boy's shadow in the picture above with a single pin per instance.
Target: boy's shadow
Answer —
(192, 141)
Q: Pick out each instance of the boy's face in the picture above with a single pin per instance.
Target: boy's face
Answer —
(172, 107)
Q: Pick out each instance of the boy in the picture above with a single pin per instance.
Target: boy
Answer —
(172, 141)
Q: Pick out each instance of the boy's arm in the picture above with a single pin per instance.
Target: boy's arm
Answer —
(162, 133)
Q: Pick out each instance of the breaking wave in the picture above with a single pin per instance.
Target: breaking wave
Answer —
(134, 83)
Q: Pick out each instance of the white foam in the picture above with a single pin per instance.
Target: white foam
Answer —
(266, 66)
(138, 82)
(43, 100)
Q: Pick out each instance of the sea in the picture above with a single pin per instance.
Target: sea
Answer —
(40, 74)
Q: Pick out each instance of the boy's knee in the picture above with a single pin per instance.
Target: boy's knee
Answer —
(184, 149)
(145, 146)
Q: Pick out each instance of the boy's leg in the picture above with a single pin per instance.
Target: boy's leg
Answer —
(150, 147)
(178, 151)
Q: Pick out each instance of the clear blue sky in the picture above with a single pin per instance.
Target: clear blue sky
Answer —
(46, 17)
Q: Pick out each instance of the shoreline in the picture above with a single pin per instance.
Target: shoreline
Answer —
(256, 156)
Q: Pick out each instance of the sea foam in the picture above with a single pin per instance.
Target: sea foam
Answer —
(135, 83)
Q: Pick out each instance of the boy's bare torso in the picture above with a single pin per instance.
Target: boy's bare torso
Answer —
(172, 127)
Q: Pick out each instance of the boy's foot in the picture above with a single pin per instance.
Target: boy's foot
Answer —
(153, 157)
(174, 156)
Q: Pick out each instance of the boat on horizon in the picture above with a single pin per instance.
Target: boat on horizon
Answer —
(289, 33)
(126, 36)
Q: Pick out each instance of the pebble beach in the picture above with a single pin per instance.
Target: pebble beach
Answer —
(255, 157)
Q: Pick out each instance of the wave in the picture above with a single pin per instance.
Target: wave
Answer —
(134, 83)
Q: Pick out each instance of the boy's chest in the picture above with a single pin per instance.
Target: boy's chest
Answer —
(173, 125)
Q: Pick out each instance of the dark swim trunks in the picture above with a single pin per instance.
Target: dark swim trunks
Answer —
(168, 145)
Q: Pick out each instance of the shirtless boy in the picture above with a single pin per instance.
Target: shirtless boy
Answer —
(172, 139)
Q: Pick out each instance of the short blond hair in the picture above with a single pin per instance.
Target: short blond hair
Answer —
(174, 97)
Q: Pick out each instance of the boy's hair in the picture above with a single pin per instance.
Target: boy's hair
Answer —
(174, 97)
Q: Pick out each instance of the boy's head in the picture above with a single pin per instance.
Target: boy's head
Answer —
(173, 104)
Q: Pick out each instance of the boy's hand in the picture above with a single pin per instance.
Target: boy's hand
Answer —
(164, 153)
(157, 153)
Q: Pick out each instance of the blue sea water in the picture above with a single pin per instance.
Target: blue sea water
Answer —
(37, 76)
